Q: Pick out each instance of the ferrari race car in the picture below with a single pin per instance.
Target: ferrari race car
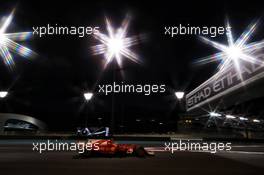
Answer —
(108, 148)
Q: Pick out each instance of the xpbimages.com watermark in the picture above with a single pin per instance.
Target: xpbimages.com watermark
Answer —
(55, 145)
(187, 145)
(182, 29)
(50, 29)
(145, 89)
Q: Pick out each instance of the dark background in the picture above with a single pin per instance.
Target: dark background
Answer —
(51, 86)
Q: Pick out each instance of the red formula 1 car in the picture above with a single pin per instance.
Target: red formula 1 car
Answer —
(107, 148)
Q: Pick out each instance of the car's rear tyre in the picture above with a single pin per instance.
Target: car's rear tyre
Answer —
(140, 152)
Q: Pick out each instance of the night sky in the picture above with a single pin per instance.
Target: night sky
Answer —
(51, 86)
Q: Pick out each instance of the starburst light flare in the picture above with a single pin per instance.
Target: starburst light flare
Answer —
(235, 52)
(116, 45)
(8, 44)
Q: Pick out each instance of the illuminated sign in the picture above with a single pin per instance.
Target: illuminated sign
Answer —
(224, 83)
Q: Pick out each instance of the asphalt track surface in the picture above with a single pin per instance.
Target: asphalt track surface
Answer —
(18, 158)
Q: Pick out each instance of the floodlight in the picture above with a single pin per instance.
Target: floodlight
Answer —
(179, 95)
(116, 44)
(256, 121)
(88, 96)
(3, 94)
(230, 117)
(214, 114)
(243, 118)
(9, 45)
(235, 52)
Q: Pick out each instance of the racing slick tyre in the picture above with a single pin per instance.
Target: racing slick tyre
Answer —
(140, 152)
